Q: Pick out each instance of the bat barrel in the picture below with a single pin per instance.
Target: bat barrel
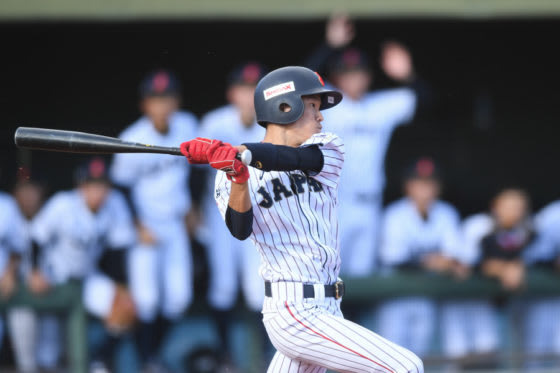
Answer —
(79, 142)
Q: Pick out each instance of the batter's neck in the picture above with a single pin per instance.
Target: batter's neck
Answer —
(278, 135)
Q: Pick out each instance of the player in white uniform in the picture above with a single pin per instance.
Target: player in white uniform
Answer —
(475, 331)
(160, 266)
(471, 327)
(14, 241)
(287, 203)
(418, 232)
(542, 319)
(22, 321)
(365, 121)
(233, 263)
(70, 234)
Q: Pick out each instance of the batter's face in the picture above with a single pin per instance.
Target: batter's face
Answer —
(309, 123)
(158, 109)
(95, 193)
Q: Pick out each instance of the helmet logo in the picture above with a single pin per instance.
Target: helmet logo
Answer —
(278, 90)
(320, 79)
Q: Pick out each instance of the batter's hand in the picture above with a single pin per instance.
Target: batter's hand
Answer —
(195, 150)
(223, 157)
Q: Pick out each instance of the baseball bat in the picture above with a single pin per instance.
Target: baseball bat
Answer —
(89, 143)
(81, 142)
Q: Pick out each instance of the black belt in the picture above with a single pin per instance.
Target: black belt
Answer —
(335, 290)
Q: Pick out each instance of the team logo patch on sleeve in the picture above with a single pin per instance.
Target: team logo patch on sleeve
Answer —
(278, 90)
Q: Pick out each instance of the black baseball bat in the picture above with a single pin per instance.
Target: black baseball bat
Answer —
(81, 142)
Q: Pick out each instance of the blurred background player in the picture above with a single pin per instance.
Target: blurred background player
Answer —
(29, 194)
(509, 234)
(365, 121)
(70, 235)
(542, 318)
(157, 189)
(233, 263)
(14, 241)
(419, 232)
(471, 327)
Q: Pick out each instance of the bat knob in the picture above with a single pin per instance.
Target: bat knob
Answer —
(246, 157)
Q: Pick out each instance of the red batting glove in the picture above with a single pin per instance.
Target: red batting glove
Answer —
(241, 177)
(223, 157)
(195, 150)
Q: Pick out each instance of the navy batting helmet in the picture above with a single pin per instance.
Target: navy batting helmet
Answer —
(286, 86)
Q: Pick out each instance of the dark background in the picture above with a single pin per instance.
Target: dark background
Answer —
(496, 121)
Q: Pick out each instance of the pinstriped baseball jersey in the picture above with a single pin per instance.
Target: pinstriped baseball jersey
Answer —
(295, 217)
(72, 237)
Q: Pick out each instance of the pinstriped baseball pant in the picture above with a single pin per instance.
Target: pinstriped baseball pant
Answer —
(311, 336)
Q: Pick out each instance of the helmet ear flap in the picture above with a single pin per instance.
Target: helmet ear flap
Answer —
(296, 110)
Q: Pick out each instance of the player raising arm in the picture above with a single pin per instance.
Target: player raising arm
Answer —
(287, 203)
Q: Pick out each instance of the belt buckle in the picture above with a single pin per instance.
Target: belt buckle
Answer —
(339, 289)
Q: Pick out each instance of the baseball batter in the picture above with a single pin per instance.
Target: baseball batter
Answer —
(287, 203)
(160, 266)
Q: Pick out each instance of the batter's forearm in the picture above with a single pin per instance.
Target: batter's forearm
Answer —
(239, 198)
(239, 213)
(270, 157)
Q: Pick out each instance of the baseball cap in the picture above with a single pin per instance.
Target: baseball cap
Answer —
(94, 169)
(348, 59)
(422, 168)
(160, 83)
(248, 73)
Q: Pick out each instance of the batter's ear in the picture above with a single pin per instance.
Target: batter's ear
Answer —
(285, 108)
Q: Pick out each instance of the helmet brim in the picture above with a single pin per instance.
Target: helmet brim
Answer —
(329, 98)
